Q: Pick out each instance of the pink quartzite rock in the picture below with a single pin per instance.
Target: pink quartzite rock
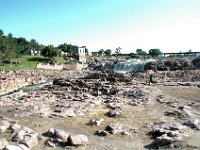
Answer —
(79, 139)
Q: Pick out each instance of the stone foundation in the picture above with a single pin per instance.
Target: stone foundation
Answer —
(12, 80)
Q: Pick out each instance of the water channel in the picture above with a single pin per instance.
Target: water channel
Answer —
(18, 94)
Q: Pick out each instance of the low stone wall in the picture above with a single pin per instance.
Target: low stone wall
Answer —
(49, 66)
(14, 80)
(75, 66)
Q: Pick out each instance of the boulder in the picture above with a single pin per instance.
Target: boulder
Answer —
(166, 134)
(27, 130)
(102, 133)
(61, 135)
(50, 143)
(193, 123)
(79, 139)
(23, 147)
(124, 132)
(187, 113)
(30, 140)
(51, 132)
(114, 113)
(114, 128)
(19, 136)
(15, 127)
(69, 112)
(96, 122)
(163, 140)
(12, 147)
(3, 143)
(4, 125)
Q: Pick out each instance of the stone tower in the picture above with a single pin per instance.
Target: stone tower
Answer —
(81, 54)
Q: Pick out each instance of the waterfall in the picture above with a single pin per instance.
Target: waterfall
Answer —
(133, 65)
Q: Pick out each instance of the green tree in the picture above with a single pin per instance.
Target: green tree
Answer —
(40, 47)
(49, 51)
(22, 45)
(1, 33)
(34, 44)
(155, 52)
(101, 52)
(140, 53)
(133, 55)
(108, 52)
(67, 48)
(2, 42)
(63, 47)
(7, 46)
(2, 48)
(10, 36)
(118, 50)
(11, 47)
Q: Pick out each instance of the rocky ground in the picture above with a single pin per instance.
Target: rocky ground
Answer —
(129, 114)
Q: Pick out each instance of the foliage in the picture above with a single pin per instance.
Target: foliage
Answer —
(49, 51)
(1, 33)
(101, 52)
(133, 55)
(141, 53)
(108, 52)
(154, 52)
(118, 50)
(34, 44)
(7, 46)
(196, 62)
(13, 47)
(68, 48)
(22, 45)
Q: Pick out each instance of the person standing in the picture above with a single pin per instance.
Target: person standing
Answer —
(151, 76)
(164, 77)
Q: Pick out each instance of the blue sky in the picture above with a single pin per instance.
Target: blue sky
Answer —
(171, 25)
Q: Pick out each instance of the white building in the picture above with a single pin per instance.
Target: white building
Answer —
(80, 55)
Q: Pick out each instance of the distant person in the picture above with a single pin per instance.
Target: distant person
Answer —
(164, 77)
(151, 77)
(98, 92)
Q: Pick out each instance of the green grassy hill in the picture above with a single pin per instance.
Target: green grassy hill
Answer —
(28, 62)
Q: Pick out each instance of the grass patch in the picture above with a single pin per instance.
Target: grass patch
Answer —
(37, 59)
(28, 62)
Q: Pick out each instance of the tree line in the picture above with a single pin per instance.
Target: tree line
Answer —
(138, 54)
(12, 47)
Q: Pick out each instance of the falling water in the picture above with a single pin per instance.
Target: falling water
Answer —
(133, 65)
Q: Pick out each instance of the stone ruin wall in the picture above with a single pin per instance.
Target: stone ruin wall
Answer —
(81, 58)
(75, 66)
(62, 66)
(11, 82)
(49, 66)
